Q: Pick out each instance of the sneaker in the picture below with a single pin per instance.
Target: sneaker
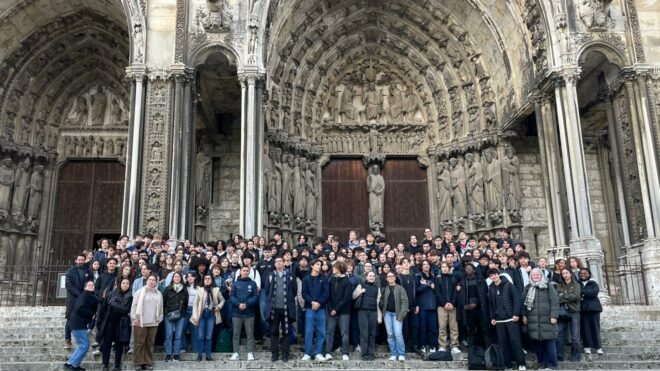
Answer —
(67, 344)
(586, 351)
(402, 358)
(328, 357)
(522, 368)
(168, 358)
(465, 343)
(209, 358)
(306, 357)
(344, 357)
(319, 358)
(358, 349)
(95, 345)
(393, 358)
(130, 351)
(234, 357)
(250, 357)
(199, 358)
(432, 350)
(182, 351)
(600, 351)
(442, 349)
(455, 350)
(96, 352)
(176, 358)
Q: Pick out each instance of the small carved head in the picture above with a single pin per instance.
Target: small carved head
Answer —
(453, 161)
(375, 169)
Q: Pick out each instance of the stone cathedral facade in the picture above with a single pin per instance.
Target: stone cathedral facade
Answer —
(209, 118)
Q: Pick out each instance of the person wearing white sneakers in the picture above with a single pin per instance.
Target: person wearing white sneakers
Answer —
(393, 308)
(315, 293)
(244, 301)
(590, 310)
(339, 309)
(447, 299)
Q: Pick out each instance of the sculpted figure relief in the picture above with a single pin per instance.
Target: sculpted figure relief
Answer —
(275, 184)
(594, 13)
(475, 184)
(78, 114)
(511, 179)
(310, 189)
(99, 101)
(7, 177)
(203, 178)
(21, 188)
(459, 191)
(493, 180)
(298, 189)
(376, 189)
(287, 183)
(444, 192)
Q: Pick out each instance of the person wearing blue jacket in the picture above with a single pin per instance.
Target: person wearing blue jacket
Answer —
(315, 292)
(447, 299)
(244, 302)
(428, 320)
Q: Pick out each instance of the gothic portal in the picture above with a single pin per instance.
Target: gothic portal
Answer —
(208, 118)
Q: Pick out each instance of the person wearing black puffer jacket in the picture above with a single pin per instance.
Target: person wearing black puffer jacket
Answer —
(116, 326)
(83, 312)
(590, 313)
(447, 299)
(366, 297)
(175, 304)
(338, 309)
(504, 305)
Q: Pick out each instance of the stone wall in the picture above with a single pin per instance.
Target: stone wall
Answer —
(598, 199)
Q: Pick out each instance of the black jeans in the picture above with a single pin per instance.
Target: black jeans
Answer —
(110, 333)
(279, 333)
(508, 338)
(411, 330)
(477, 334)
(367, 320)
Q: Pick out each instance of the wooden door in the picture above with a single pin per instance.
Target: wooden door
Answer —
(89, 202)
(345, 198)
(406, 200)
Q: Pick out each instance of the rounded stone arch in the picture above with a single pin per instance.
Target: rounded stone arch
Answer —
(134, 13)
(612, 53)
(199, 56)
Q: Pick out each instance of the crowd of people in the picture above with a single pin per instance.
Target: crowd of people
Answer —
(441, 294)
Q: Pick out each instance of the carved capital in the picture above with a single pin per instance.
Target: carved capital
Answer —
(137, 73)
(159, 74)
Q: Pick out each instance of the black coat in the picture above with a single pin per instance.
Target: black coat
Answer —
(546, 306)
(173, 300)
(74, 287)
(506, 297)
(445, 290)
(482, 294)
(83, 310)
(341, 295)
(291, 288)
(590, 301)
(118, 314)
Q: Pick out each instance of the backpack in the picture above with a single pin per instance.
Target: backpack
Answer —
(476, 358)
(494, 358)
(224, 342)
(440, 356)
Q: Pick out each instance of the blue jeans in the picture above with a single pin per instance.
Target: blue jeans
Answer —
(206, 324)
(176, 328)
(314, 320)
(394, 334)
(82, 346)
(546, 354)
(194, 332)
(428, 328)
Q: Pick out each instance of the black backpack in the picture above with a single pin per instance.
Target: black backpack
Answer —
(440, 356)
(494, 358)
(476, 358)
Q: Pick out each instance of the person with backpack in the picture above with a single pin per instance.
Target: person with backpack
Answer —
(280, 289)
(367, 296)
(570, 297)
(590, 310)
(175, 303)
(540, 310)
(447, 300)
(504, 307)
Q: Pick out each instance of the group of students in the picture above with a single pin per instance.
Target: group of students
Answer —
(421, 297)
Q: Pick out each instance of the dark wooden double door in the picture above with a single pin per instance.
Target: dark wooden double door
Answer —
(88, 207)
(346, 201)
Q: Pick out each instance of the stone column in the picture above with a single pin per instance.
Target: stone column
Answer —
(549, 151)
(583, 242)
(186, 217)
(178, 72)
(251, 149)
(132, 183)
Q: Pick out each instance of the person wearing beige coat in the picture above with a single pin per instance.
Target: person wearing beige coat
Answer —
(206, 314)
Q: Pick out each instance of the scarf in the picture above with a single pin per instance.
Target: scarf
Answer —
(207, 299)
(177, 287)
(531, 293)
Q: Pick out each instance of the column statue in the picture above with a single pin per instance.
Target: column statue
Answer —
(444, 193)
(21, 188)
(493, 181)
(475, 184)
(310, 189)
(298, 189)
(7, 177)
(511, 179)
(287, 184)
(36, 192)
(459, 191)
(376, 189)
(203, 178)
(275, 183)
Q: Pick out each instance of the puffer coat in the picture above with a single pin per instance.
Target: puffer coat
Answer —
(570, 295)
(546, 306)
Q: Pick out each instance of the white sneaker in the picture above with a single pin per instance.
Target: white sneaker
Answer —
(319, 358)
(442, 349)
(182, 351)
(402, 358)
(393, 358)
(358, 349)
(250, 357)
(344, 357)
(522, 368)
(432, 350)
(455, 350)
(306, 357)
(586, 351)
(234, 357)
(328, 357)
(600, 351)
(130, 351)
